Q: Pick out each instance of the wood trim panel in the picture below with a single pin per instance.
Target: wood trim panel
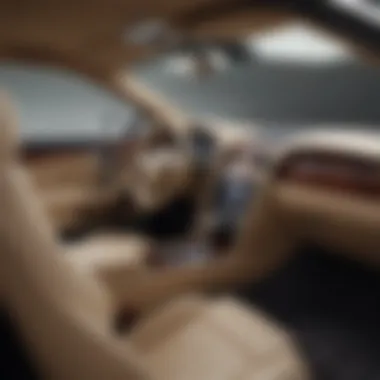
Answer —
(333, 172)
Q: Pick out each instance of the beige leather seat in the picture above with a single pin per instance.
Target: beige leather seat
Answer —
(221, 339)
(101, 252)
(66, 316)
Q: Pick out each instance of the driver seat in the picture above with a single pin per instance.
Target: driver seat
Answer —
(66, 316)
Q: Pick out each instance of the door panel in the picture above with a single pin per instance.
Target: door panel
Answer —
(66, 179)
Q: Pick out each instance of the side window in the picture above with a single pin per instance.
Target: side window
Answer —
(58, 106)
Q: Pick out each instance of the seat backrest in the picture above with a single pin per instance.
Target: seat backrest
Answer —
(64, 316)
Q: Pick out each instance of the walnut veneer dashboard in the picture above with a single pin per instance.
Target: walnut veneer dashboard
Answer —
(333, 172)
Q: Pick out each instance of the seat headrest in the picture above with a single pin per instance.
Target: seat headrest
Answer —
(9, 136)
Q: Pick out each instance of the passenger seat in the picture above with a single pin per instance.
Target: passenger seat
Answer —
(222, 339)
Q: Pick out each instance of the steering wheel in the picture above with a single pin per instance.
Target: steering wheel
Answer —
(148, 165)
(156, 177)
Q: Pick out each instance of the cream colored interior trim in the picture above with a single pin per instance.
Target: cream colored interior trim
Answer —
(348, 224)
(305, 201)
(152, 101)
(359, 143)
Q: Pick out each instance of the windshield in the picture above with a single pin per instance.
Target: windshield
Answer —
(291, 77)
(295, 76)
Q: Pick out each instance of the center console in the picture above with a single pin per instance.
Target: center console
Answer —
(231, 200)
(229, 204)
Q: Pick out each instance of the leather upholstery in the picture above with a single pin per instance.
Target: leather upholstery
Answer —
(65, 315)
(65, 204)
(196, 338)
(356, 143)
(69, 184)
(106, 254)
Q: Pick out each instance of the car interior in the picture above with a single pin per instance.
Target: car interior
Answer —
(215, 220)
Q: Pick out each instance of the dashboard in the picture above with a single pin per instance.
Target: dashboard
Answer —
(333, 172)
(327, 183)
(326, 180)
